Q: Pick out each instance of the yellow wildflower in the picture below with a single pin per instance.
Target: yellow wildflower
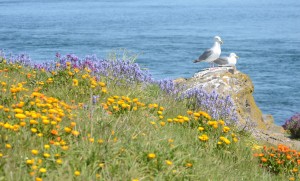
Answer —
(189, 112)
(256, 147)
(215, 126)
(168, 162)
(38, 179)
(34, 130)
(170, 140)
(100, 141)
(65, 148)
(47, 155)
(52, 111)
(67, 129)
(188, 164)
(18, 110)
(204, 114)
(104, 90)
(225, 140)
(102, 84)
(196, 114)
(34, 152)
(77, 173)
(101, 165)
(186, 119)
(295, 170)
(75, 82)
(151, 155)
(210, 123)
(43, 170)
(45, 121)
(226, 129)
(75, 133)
(73, 124)
(152, 122)
(59, 161)
(203, 137)
(200, 128)
(34, 167)
(30, 161)
(221, 122)
(20, 116)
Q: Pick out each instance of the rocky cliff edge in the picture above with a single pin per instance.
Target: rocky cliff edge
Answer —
(229, 81)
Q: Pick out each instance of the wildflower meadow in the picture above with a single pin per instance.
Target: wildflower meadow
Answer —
(96, 119)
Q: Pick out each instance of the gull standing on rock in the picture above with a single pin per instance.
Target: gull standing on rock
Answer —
(211, 54)
(227, 61)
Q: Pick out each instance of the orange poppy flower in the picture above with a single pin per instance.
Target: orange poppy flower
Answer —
(263, 159)
(54, 132)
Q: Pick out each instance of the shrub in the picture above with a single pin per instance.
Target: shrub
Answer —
(293, 125)
(280, 160)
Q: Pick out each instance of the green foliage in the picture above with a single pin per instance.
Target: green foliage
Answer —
(53, 128)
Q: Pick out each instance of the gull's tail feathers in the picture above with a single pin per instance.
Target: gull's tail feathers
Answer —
(195, 61)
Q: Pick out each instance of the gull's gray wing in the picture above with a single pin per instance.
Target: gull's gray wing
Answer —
(221, 61)
(204, 55)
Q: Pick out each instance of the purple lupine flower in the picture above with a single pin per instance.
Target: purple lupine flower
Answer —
(218, 107)
(95, 99)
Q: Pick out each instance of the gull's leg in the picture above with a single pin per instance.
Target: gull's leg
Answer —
(208, 67)
(213, 65)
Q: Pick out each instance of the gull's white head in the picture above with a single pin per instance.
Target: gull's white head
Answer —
(233, 55)
(218, 39)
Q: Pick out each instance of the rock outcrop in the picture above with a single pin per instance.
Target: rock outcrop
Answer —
(228, 81)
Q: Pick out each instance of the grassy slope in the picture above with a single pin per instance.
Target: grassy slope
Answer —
(127, 138)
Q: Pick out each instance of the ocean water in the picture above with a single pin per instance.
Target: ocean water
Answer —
(168, 35)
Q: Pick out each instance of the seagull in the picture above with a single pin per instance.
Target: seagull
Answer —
(229, 61)
(211, 54)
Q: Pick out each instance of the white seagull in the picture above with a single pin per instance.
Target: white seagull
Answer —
(211, 54)
(228, 61)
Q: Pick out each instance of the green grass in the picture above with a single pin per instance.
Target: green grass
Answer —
(126, 138)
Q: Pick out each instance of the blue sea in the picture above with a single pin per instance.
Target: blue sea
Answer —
(167, 35)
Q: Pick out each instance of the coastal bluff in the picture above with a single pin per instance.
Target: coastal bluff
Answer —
(229, 81)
